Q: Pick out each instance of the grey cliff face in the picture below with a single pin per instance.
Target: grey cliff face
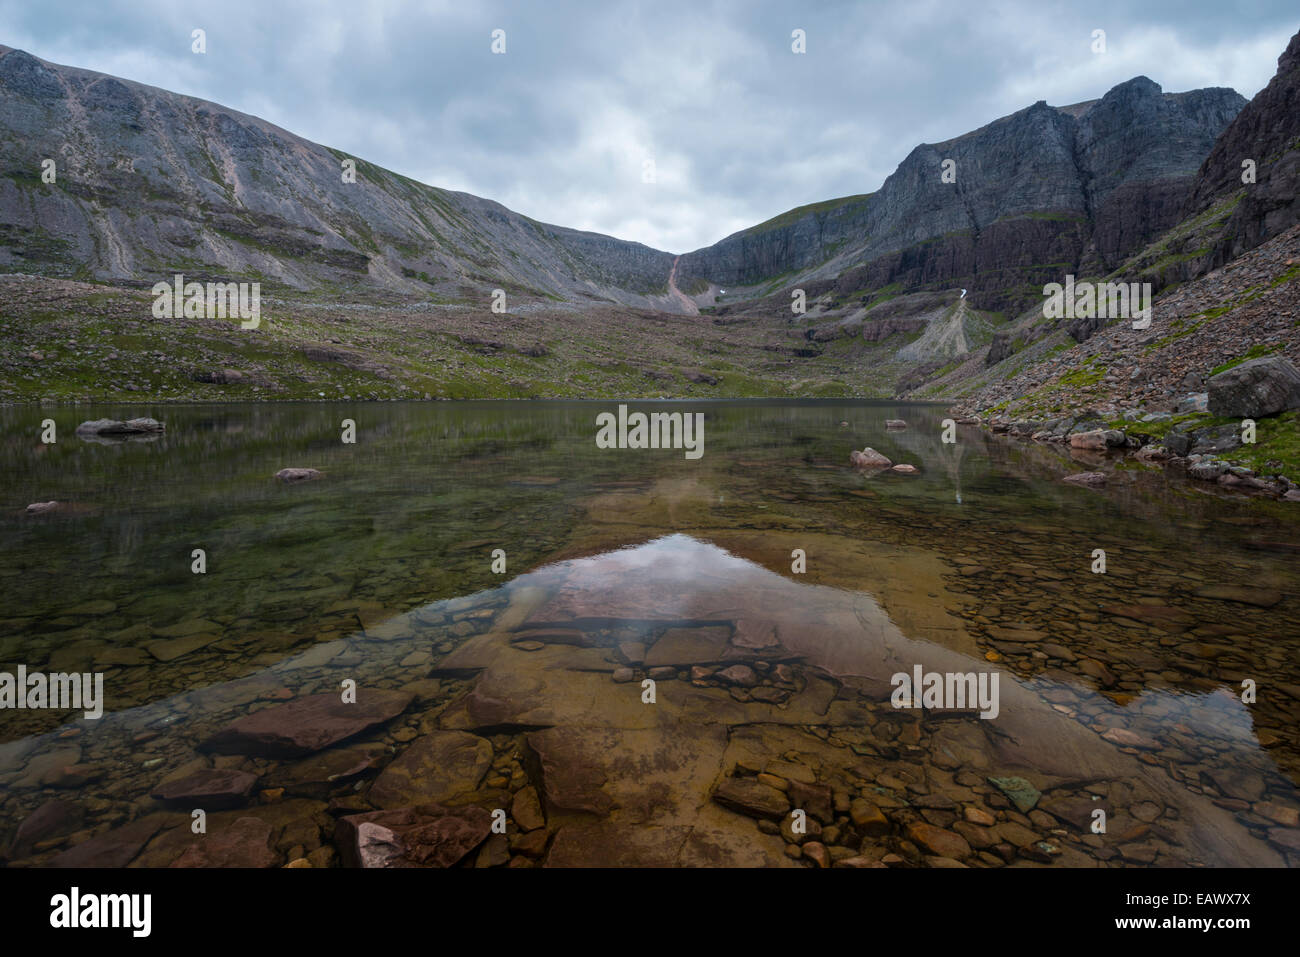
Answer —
(1267, 133)
(151, 182)
(1084, 186)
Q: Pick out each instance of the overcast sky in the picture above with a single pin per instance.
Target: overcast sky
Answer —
(738, 126)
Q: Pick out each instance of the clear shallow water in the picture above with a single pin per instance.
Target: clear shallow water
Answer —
(981, 560)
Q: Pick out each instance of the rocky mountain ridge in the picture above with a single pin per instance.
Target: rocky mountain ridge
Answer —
(151, 182)
(1030, 196)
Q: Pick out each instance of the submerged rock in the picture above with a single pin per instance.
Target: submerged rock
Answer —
(1259, 597)
(55, 816)
(1088, 479)
(245, 843)
(432, 770)
(210, 788)
(299, 475)
(1019, 791)
(308, 724)
(750, 796)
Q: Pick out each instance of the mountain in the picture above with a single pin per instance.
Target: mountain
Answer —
(1267, 132)
(1044, 191)
(151, 182)
(1227, 284)
(917, 286)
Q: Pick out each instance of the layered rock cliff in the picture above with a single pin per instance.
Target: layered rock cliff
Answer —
(1267, 133)
(1042, 192)
(147, 183)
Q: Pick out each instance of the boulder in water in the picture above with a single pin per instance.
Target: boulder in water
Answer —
(869, 459)
(299, 475)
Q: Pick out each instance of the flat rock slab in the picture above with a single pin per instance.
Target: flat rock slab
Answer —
(173, 648)
(55, 816)
(588, 845)
(183, 629)
(1259, 597)
(646, 776)
(306, 725)
(211, 788)
(755, 634)
(299, 475)
(428, 835)
(1161, 616)
(1019, 791)
(752, 797)
(433, 769)
(317, 775)
(689, 646)
(245, 843)
(1087, 479)
(115, 848)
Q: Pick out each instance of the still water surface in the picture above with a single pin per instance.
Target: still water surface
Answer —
(383, 572)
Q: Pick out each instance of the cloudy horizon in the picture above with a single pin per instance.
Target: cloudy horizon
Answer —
(738, 127)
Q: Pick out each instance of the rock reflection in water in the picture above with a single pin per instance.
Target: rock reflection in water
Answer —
(769, 695)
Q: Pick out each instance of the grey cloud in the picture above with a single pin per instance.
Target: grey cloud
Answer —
(740, 129)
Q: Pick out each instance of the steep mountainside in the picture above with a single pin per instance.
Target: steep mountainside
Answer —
(150, 182)
(1217, 308)
(908, 289)
(1041, 192)
(1267, 131)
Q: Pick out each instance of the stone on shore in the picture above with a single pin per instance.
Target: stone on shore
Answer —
(1255, 388)
(1098, 440)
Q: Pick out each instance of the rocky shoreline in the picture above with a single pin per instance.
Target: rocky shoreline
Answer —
(1186, 438)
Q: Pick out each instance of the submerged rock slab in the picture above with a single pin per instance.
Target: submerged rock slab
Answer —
(210, 788)
(245, 843)
(1245, 594)
(433, 769)
(292, 475)
(115, 848)
(308, 724)
(428, 835)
